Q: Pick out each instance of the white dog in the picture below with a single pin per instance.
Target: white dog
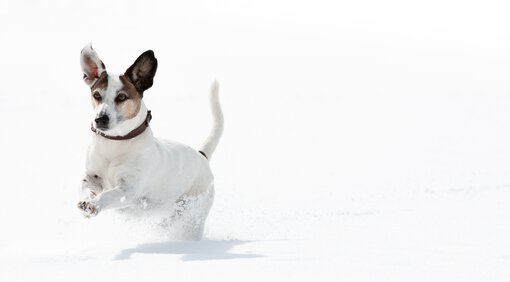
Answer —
(127, 168)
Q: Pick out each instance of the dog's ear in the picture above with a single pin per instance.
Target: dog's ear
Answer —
(91, 65)
(142, 71)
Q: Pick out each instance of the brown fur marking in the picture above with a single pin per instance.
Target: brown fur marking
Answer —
(131, 106)
(101, 83)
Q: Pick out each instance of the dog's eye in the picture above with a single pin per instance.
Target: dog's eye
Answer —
(121, 97)
(97, 96)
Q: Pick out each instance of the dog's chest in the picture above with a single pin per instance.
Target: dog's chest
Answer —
(110, 173)
(114, 162)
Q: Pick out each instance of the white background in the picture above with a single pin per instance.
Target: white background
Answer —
(364, 140)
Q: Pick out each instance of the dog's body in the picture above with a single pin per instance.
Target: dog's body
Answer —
(127, 168)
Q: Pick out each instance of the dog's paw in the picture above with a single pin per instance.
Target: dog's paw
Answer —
(88, 209)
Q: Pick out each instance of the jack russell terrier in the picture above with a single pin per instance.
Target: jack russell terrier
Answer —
(127, 167)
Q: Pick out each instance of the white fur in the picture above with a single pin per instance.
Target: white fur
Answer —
(214, 137)
(146, 172)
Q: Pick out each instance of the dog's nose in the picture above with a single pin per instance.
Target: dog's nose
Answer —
(102, 121)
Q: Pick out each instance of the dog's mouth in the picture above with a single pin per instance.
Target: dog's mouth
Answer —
(101, 127)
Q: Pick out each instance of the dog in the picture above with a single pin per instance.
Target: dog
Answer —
(127, 168)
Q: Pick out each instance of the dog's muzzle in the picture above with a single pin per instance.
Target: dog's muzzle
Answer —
(102, 122)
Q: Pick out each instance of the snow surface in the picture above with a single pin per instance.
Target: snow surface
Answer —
(364, 140)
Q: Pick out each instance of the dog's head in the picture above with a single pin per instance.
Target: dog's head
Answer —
(116, 98)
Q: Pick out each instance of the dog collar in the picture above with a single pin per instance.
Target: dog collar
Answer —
(132, 134)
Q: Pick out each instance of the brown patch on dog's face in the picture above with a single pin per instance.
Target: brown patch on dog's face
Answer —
(98, 88)
(129, 106)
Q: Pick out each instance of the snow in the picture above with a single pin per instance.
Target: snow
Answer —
(364, 141)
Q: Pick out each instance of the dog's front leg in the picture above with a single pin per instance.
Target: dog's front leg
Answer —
(121, 196)
(91, 186)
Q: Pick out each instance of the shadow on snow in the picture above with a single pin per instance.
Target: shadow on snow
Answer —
(191, 251)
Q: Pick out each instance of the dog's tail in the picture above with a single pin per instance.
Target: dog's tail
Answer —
(214, 136)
